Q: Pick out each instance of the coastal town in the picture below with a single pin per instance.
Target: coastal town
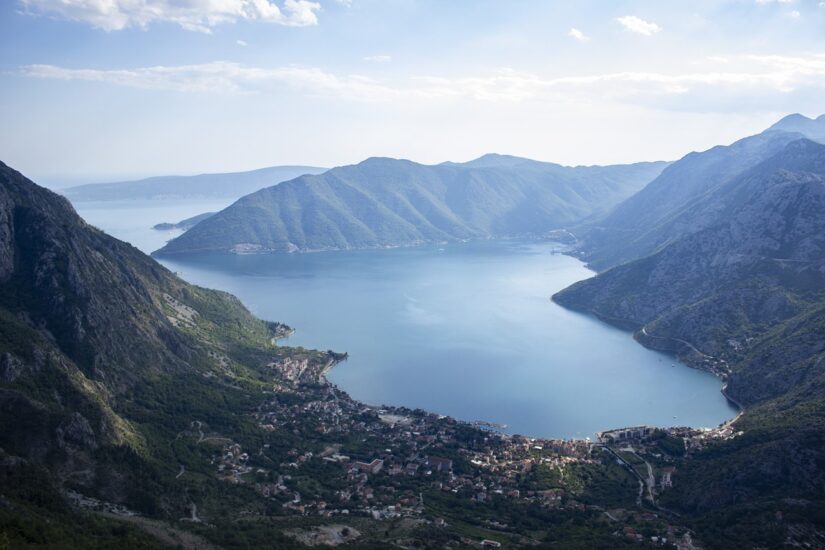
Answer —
(329, 457)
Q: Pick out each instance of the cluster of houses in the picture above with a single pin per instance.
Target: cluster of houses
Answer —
(400, 453)
(669, 539)
(410, 444)
(635, 433)
(698, 439)
(233, 463)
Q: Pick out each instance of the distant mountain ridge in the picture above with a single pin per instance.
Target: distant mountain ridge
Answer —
(188, 223)
(813, 128)
(225, 185)
(666, 209)
(384, 202)
(760, 260)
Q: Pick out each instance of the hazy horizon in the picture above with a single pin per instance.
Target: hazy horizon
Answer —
(58, 182)
(103, 91)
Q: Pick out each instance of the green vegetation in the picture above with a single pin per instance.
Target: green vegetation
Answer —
(669, 445)
(606, 484)
(385, 202)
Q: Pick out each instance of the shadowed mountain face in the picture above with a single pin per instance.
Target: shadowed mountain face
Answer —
(386, 202)
(229, 185)
(67, 277)
(676, 202)
(736, 284)
(104, 356)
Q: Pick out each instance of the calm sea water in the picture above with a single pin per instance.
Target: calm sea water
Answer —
(467, 330)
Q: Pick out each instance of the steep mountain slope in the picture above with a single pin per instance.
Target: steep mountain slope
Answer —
(229, 185)
(724, 287)
(104, 356)
(386, 202)
(667, 208)
(744, 297)
(87, 291)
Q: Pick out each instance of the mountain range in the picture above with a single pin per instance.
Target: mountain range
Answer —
(137, 410)
(677, 202)
(385, 202)
(203, 186)
(140, 411)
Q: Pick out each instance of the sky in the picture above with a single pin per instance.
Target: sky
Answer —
(97, 90)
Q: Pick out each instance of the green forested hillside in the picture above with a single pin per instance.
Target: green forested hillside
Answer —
(745, 298)
(727, 288)
(386, 202)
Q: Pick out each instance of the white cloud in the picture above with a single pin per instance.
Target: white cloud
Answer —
(378, 58)
(345, 3)
(638, 25)
(754, 76)
(766, 2)
(221, 77)
(193, 15)
(578, 35)
(243, 43)
(794, 14)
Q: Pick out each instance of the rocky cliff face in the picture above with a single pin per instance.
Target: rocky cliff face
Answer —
(83, 289)
(6, 236)
(93, 334)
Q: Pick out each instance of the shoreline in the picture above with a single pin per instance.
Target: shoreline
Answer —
(501, 428)
(621, 324)
(491, 426)
(324, 372)
(633, 327)
(700, 366)
(251, 249)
